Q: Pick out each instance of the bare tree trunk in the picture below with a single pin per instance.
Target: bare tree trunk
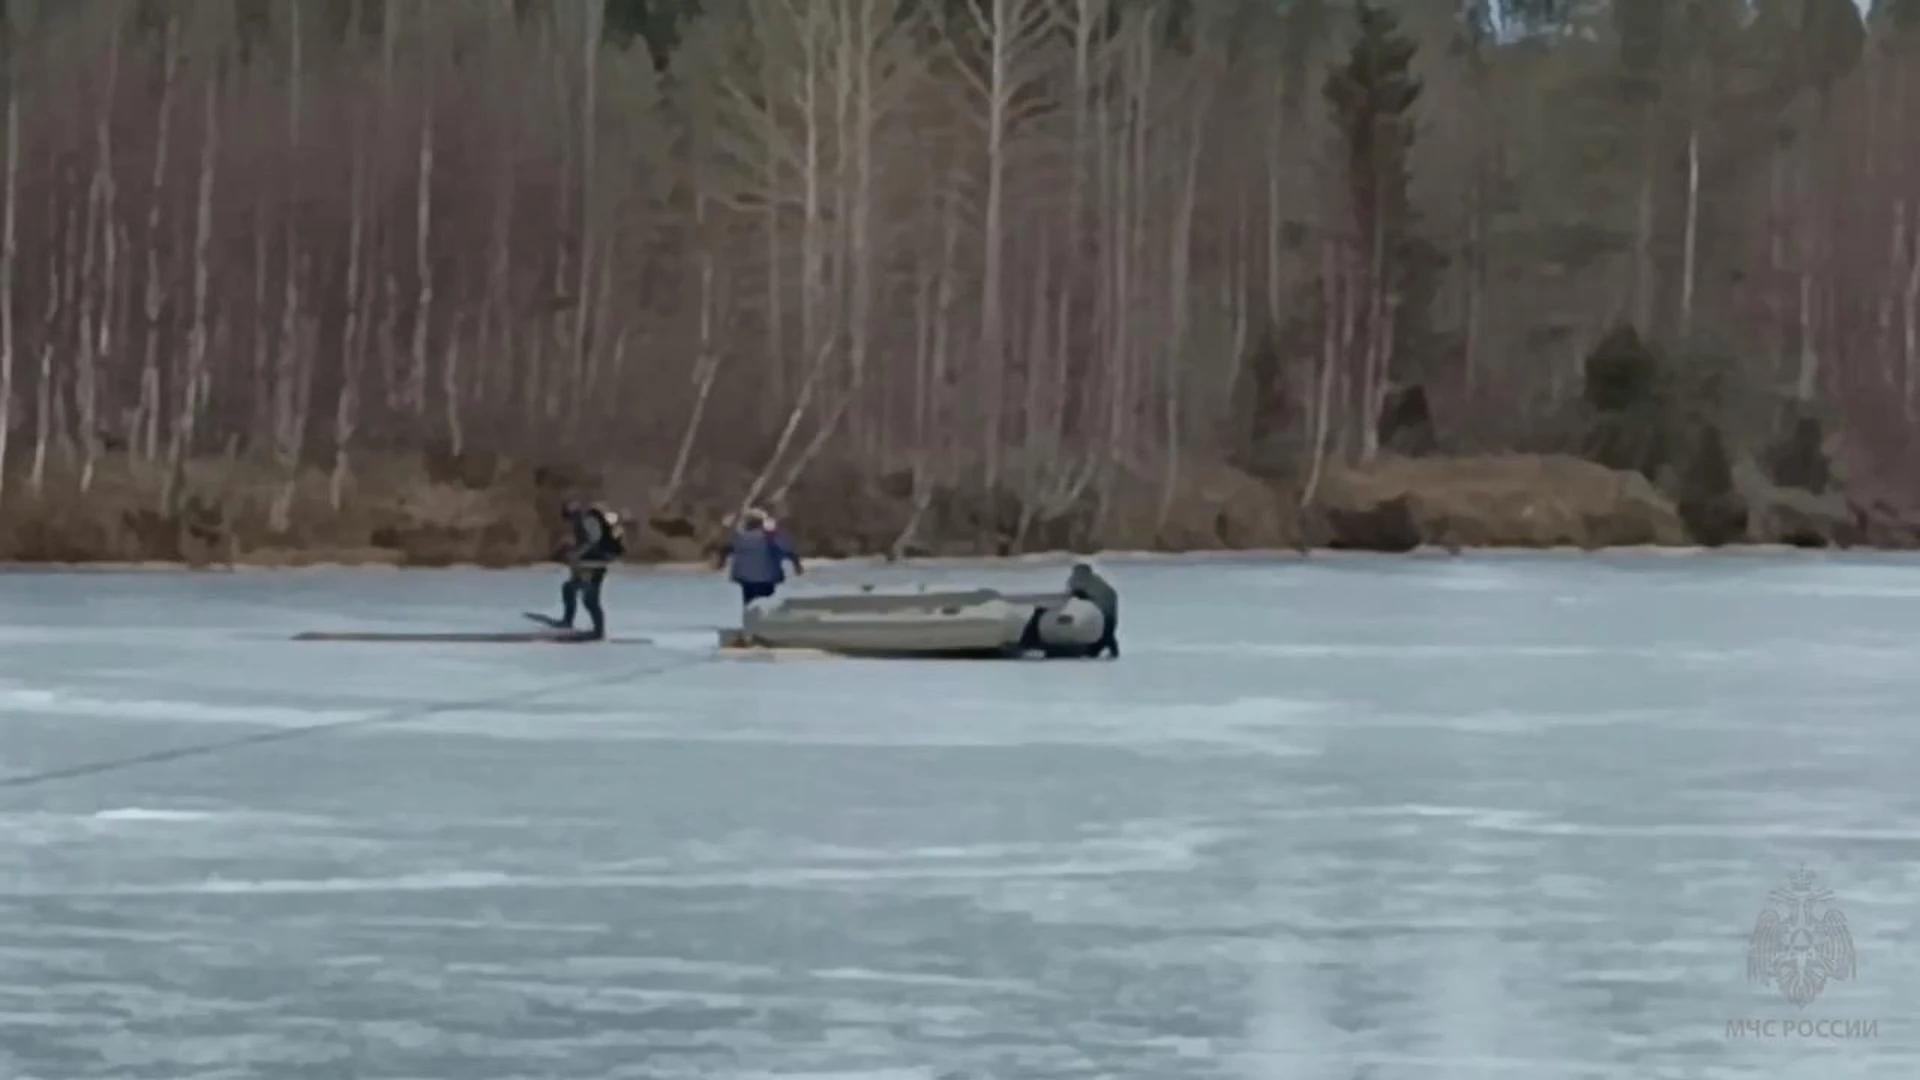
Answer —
(497, 323)
(1808, 379)
(1643, 264)
(841, 62)
(814, 340)
(388, 335)
(72, 316)
(1137, 210)
(1278, 155)
(346, 408)
(1236, 306)
(1126, 207)
(812, 450)
(423, 265)
(778, 352)
(1112, 311)
(396, 376)
(1910, 325)
(1181, 285)
(1691, 241)
(450, 379)
(103, 342)
(294, 370)
(42, 423)
(1087, 17)
(999, 100)
(707, 362)
(1378, 330)
(57, 270)
(1336, 346)
(1476, 283)
(940, 378)
(926, 330)
(600, 361)
(1890, 289)
(926, 279)
(819, 335)
(589, 201)
(9, 237)
(263, 388)
(1039, 445)
(99, 229)
(117, 335)
(935, 426)
(789, 430)
(193, 388)
(865, 30)
(146, 427)
(1777, 257)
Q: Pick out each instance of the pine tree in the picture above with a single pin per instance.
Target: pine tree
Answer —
(1902, 15)
(1371, 98)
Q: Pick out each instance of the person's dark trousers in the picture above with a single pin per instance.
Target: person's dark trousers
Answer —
(755, 590)
(1030, 634)
(1109, 638)
(582, 590)
(1030, 642)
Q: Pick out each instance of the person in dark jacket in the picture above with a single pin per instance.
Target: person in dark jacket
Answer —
(1086, 584)
(756, 556)
(1083, 583)
(595, 543)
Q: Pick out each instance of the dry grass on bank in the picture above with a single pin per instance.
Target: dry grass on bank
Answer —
(1518, 500)
(492, 512)
(394, 512)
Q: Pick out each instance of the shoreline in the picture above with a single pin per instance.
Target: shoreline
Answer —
(1039, 559)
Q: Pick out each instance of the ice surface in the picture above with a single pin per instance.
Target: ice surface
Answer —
(1392, 819)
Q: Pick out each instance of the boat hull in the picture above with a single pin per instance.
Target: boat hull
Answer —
(955, 624)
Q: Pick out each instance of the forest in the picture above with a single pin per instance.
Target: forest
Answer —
(303, 280)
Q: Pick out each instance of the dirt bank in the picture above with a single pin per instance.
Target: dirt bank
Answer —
(492, 512)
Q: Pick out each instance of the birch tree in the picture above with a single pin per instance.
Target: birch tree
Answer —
(293, 369)
(97, 271)
(1002, 57)
(145, 435)
(192, 386)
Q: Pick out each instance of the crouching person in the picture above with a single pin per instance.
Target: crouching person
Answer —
(1084, 583)
(1087, 586)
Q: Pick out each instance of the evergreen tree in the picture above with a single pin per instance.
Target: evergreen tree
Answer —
(1812, 44)
(1371, 97)
(656, 23)
(1903, 16)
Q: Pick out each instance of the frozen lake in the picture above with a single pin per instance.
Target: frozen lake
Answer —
(1346, 819)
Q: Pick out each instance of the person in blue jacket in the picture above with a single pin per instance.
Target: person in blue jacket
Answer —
(756, 555)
